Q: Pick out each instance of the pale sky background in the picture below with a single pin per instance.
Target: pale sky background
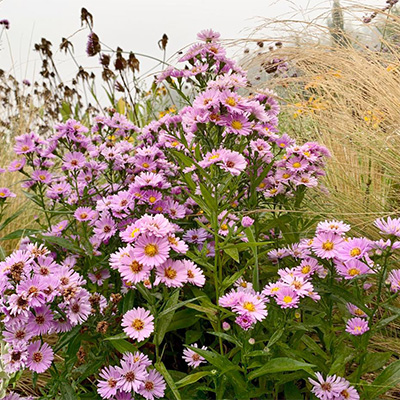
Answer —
(135, 25)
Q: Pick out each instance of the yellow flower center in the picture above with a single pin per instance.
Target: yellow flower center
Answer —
(230, 101)
(307, 153)
(236, 124)
(306, 269)
(170, 273)
(214, 156)
(134, 232)
(273, 191)
(282, 145)
(152, 199)
(357, 329)
(135, 267)
(145, 165)
(285, 176)
(174, 144)
(261, 185)
(296, 165)
(327, 245)
(151, 250)
(355, 252)
(287, 299)
(249, 306)
(359, 312)
(224, 227)
(275, 289)
(137, 324)
(190, 274)
(42, 177)
(2, 194)
(354, 271)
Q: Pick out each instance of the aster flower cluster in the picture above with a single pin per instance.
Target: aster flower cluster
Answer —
(249, 305)
(132, 376)
(38, 297)
(333, 387)
(150, 240)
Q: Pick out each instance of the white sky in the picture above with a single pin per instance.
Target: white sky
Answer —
(135, 25)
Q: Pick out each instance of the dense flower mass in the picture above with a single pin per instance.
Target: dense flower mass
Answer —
(183, 245)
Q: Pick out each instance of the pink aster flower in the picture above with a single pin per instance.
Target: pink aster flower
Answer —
(41, 322)
(40, 357)
(153, 386)
(237, 124)
(83, 214)
(357, 326)
(5, 192)
(251, 304)
(287, 297)
(246, 322)
(192, 358)
(138, 323)
(15, 358)
(132, 375)
(79, 308)
(104, 228)
(389, 227)
(326, 245)
(338, 227)
(354, 248)
(172, 273)
(352, 268)
(131, 270)
(151, 250)
(354, 310)
(42, 176)
(394, 280)
(247, 221)
(17, 165)
(107, 386)
(329, 388)
(195, 275)
(208, 35)
(74, 160)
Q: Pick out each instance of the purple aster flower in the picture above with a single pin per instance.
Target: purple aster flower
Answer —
(153, 386)
(247, 221)
(329, 388)
(192, 358)
(389, 227)
(245, 321)
(5, 193)
(132, 375)
(40, 357)
(357, 326)
(107, 386)
(138, 323)
(42, 176)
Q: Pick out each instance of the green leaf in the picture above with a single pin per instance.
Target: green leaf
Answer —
(281, 364)
(389, 378)
(227, 337)
(275, 337)
(117, 337)
(11, 218)
(183, 319)
(314, 346)
(62, 242)
(67, 391)
(292, 392)
(374, 361)
(67, 338)
(233, 253)
(231, 279)
(164, 372)
(165, 317)
(20, 233)
(226, 367)
(344, 296)
(128, 301)
(188, 380)
(123, 346)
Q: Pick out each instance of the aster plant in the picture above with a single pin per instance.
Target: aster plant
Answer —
(171, 260)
